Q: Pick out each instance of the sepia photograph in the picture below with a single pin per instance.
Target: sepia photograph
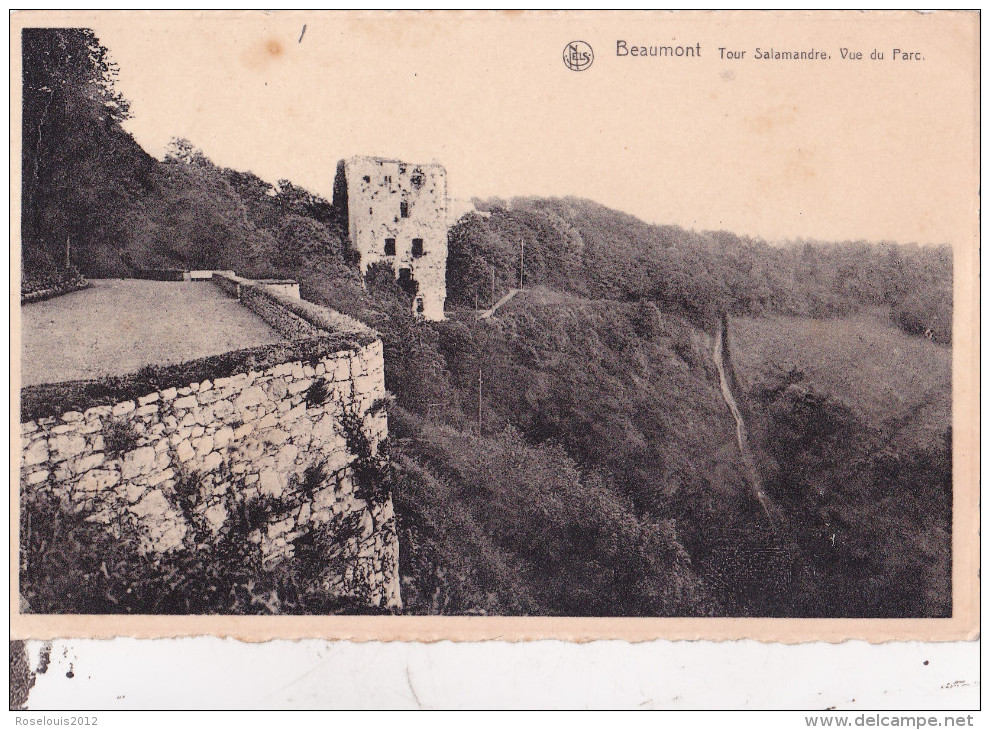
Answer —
(535, 317)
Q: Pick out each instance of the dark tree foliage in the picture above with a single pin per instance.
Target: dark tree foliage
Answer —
(871, 521)
(89, 188)
(590, 250)
(79, 169)
(70, 564)
(415, 370)
(596, 471)
(627, 394)
(631, 397)
(541, 536)
(294, 200)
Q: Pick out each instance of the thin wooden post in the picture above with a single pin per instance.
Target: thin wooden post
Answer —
(522, 246)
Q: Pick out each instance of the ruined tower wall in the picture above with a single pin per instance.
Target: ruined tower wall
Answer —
(391, 201)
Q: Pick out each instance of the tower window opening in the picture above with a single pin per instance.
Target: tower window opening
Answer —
(407, 283)
(417, 247)
(390, 247)
(404, 209)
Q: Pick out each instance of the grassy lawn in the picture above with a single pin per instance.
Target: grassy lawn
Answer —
(117, 326)
(890, 379)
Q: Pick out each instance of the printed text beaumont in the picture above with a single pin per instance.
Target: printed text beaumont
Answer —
(623, 48)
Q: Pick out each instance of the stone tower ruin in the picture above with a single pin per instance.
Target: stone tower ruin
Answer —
(396, 213)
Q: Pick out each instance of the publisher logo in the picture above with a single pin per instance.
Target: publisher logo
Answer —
(578, 55)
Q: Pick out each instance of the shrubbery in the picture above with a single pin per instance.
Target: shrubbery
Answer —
(542, 536)
(927, 314)
(596, 474)
(71, 564)
(585, 248)
(871, 523)
(37, 286)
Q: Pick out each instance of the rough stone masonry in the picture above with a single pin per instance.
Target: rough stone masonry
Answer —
(252, 435)
(396, 213)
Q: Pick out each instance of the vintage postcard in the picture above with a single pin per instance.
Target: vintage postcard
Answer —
(495, 325)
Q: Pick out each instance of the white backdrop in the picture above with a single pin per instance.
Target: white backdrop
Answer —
(208, 673)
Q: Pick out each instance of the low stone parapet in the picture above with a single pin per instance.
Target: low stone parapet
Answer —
(271, 430)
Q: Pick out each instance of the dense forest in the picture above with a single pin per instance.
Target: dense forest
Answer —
(584, 248)
(572, 456)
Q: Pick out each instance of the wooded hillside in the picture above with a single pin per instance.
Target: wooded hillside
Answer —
(596, 471)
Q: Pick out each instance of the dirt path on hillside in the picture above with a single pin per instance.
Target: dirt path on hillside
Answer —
(504, 300)
(720, 355)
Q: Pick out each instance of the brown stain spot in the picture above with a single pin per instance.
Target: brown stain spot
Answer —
(800, 166)
(761, 124)
(772, 119)
(259, 54)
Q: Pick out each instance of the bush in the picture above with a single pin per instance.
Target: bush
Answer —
(119, 437)
(372, 470)
(37, 286)
(71, 565)
(871, 522)
(317, 394)
(925, 314)
(565, 540)
(160, 274)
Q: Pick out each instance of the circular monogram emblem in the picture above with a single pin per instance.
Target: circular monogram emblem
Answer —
(578, 55)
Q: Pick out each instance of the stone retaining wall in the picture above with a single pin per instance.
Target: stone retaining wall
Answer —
(275, 436)
(230, 283)
(270, 309)
(286, 287)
